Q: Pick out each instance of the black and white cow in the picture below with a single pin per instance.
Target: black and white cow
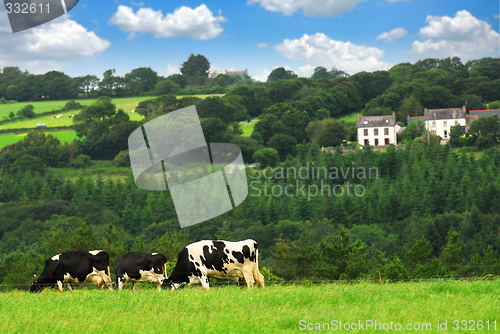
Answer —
(140, 267)
(74, 267)
(199, 261)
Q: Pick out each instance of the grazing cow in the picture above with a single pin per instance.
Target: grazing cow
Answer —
(140, 267)
(199, 261)
(76, 267)
(133, 111)
(71, 116)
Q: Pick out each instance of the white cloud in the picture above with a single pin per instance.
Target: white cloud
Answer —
(305, 71)
(321, 50)
(172, 69)
(198, 23)
(309, 7)
(262, 75)
(496, 16)
(51, 46)
(392, 35)
(140, 4)
(262, 45)
(463, 36)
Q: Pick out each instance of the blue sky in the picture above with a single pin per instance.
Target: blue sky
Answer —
(259, 35)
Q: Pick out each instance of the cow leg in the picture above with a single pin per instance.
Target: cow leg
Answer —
(204, 282)
(258, 277)
(60, 286)
(134, 286)
(120, 284)
(249, 278)
(104, 277)
(70, 287)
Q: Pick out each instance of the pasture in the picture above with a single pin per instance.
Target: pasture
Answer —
(247, 127)
(275, 309)
(63, 136)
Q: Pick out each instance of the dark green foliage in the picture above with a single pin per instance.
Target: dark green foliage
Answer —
(165, 87)
(332, 134)
(72, 105)
(122, 159)
(280, 73)
(413, 130)
(284, 144)
(27, 111)
(266, 157)
(81, 161)
(195, 69)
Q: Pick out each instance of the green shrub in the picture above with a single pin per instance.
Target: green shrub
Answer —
(27, 111)
(266, 157)
(3, 100)
(72, 105)
(122, 159)
(81, 161)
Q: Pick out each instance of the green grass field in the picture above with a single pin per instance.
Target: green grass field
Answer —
(247, 127)
(126, 103)
(63, 136)
(275, 309)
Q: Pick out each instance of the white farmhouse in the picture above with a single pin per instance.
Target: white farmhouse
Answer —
(377, 130)
(440, 121)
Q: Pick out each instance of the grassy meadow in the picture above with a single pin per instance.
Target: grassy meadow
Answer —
(275, 309)
(127, 104)
(247, 127)
(63, 136)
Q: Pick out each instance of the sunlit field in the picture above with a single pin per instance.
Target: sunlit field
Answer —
(275, 309)
(63, 136)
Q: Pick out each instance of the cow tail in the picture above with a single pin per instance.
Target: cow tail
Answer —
(256, 273)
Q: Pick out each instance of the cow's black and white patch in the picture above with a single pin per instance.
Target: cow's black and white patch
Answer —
(74, 267)
(140, 267)
(199, 261)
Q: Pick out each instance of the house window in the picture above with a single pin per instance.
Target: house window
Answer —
(376, 142)
(445, 124)
(366, 142)
(375, 132)
(445, 134)
(433, 124)
(365, 132)
(386, 131)
(386, 140)
(433, 132)
(456, 122)
(365, 122)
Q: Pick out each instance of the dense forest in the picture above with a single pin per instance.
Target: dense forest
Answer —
(412, 211)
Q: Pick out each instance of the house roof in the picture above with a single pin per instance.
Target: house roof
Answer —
(414, 119)
(375, 121)
(485, 113)
(448, 113)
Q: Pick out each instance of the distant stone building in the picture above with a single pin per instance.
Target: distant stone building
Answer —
(440, 121)
(377, 130)
(236, 72)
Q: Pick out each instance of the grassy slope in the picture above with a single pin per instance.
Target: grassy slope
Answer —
(127, 104)
(63, 136)
(228, 309)
(247, 127)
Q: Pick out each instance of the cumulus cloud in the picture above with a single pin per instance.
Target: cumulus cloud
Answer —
(392, 35)
(463, 36)
(321, 50)
(308, 7)
(262, 45)
(496, 16)
(139, 4)
(51, 46)
(198, 23)
(172, 69)
(262, 75)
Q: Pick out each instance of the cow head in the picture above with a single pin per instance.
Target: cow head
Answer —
(36, 287)
(168, 284)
